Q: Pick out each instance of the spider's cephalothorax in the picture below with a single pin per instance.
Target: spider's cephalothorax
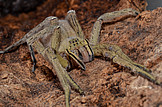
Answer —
(62, 43)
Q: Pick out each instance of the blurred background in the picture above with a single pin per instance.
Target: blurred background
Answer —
(18, 6)
(153, 4)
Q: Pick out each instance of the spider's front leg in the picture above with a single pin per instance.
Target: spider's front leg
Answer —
(72, 19)
(115, 53)
(34, 34)
(57, 61)
(44, 24)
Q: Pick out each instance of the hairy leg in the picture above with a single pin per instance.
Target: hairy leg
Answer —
(108, 18)
(58, 64)
(72, 19)
(33, 58)
(32, 32)
(114, 53)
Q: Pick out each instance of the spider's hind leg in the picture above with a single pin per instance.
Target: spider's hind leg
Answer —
(117, 56)
(109, 18)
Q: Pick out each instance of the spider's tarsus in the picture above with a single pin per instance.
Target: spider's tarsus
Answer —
(33, 68)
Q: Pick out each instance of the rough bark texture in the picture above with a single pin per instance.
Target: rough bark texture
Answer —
(104, 83)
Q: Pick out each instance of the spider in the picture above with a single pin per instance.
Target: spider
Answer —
(62, 43)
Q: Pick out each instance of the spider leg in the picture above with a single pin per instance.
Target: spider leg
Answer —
(14, 46)
(109, 18)
(61, 72)
(72, 19)
(73, 83)
(55, 42)
(35, 37)
(114, 53)
(32, 32)
(51, 54)
(44, 24)
(56, 38)
(33, 58)
(63, 76)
